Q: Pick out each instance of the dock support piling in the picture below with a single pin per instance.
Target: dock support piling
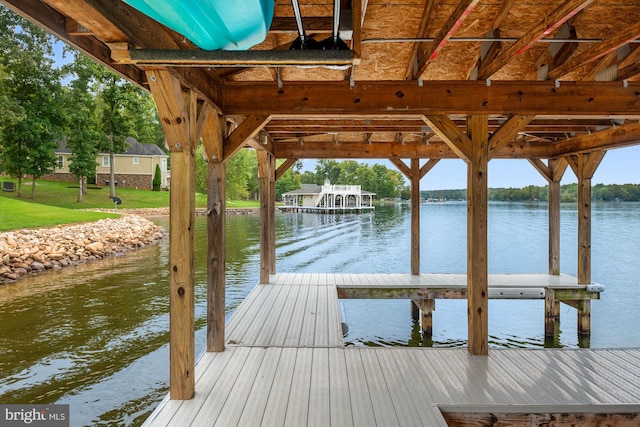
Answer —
(178, 112)
(264, 174)
(584, 166)
(477, 254)
(213, 140)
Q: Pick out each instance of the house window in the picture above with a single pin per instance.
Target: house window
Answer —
(136, 160)
(105, 161)
(60, 163)
(163, 165)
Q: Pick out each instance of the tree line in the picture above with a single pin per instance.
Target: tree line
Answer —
(242, 177)
(569, 193)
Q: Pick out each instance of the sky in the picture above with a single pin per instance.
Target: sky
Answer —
(619, 166)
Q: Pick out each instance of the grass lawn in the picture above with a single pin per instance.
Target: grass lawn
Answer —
(65, 195)
(17, 214)
(56, 203)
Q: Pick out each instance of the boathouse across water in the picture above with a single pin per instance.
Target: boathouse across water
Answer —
(328, 198)
(555, 83)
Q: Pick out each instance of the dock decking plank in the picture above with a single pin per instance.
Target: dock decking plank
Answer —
(208, 405)
(398, 391)
(231, 411)
(256, 402)
(319, 398)
(279, 395)
(287, 365)
(294, 330)
(339, 399)
(298, 405)
(383, 409)
(359, 396)
(288, 312)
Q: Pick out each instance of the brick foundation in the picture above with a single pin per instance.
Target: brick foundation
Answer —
(142, 182)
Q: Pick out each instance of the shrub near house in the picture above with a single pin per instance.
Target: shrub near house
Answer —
(135, 168)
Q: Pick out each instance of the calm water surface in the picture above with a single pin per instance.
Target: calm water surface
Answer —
(95, 336)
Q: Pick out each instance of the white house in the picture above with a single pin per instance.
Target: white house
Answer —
(328, 198)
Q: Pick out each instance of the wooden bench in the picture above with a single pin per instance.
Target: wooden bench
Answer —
(8, 186)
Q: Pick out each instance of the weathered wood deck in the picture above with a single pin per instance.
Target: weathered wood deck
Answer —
(285, 365)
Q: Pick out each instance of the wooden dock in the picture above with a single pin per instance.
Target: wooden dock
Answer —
(285, 365)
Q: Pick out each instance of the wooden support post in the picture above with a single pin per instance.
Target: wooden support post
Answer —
(584, 318)
(176, 114)
(415, 310)
(426, 308)
(213, 138)
(554, 227)
(415, 216)
(557, 168)
(414, 174)
(550, 304)
(553, 173)
(264, 172)
(272, 214)
(477, 254)
(584, 165)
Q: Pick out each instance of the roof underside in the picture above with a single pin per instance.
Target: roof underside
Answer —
(555, 77)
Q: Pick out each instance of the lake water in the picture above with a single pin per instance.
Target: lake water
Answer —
(95, 336)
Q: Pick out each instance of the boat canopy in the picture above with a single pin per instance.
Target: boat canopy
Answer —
(213, 24)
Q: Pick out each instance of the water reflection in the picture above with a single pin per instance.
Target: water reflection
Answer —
(95, 336)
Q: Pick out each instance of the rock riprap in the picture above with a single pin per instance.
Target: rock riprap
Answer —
(31, 251)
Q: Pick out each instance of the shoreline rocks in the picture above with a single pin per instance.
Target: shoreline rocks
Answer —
(152, 212)
(32, 251)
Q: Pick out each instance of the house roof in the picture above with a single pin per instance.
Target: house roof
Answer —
(306, 189)
(134, 148)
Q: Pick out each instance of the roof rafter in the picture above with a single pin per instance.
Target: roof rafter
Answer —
(420, 47)
(613, 137)
(445, 33)
(627, 35)
(545, 27)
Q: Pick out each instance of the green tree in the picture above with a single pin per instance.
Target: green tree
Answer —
(289, 181)
(240, 169)
(117, 101)
(348, 173)
(32, 86)
(387, 182)
(157, 179)
(82, 133)
(201, 171)
(327, 169)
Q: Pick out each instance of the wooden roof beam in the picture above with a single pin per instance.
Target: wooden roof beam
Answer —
(626, 35)
(284, 167)
(247, 130)
(614, 137)
(363, 149)
(507, 132)
(389, 99)
(545, 27)
(630, 66)
(85, 14)
(446, 129)
(465, 7)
